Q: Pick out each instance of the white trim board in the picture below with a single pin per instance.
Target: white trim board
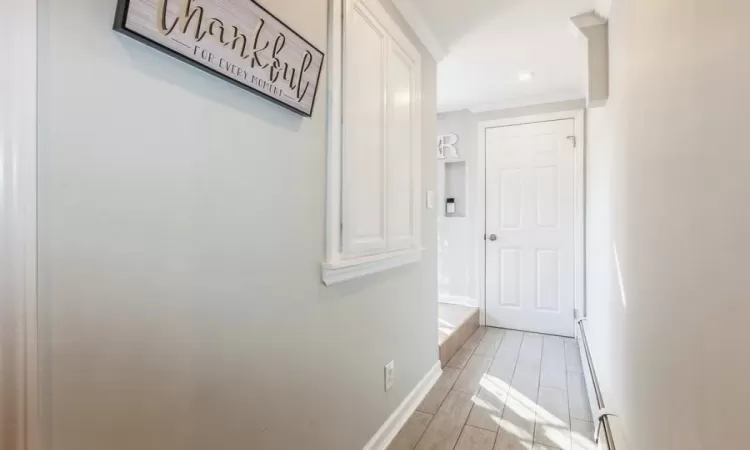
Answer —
(580, 205)
(617, 429)
(587, 374)
(18, 226)
(385, 435)
(340, 272)
(335, 119)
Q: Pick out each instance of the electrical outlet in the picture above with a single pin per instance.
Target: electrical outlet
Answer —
(390, 375)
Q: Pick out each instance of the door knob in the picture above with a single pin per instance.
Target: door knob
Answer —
(493, 237)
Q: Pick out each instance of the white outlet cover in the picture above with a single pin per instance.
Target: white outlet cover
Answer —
(430, 199)
(389, 375)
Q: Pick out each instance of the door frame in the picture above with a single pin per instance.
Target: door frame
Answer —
(579, 116)
(18, 219)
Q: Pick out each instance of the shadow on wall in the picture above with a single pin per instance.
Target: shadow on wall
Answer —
(454, 20)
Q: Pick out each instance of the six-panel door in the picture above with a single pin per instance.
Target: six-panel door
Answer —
(530, 207)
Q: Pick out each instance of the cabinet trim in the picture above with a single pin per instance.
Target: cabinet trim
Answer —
(338, 266)
(340, 272)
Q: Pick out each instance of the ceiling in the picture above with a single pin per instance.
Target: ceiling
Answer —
(489, 43)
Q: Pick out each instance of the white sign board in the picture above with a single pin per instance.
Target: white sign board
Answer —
(237, 40)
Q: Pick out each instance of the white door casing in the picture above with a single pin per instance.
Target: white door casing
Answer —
(531, 208)
(19, 371)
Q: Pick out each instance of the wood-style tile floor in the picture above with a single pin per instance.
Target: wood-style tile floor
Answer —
(505, 390)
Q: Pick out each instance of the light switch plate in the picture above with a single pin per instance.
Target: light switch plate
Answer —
(389, 375)
(430, 200)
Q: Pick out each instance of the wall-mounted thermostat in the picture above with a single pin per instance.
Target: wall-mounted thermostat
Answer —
(450, 207)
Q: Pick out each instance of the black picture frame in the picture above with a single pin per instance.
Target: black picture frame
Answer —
(120, 22)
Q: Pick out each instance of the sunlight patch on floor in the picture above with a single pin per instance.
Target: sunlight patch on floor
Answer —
(498, 399)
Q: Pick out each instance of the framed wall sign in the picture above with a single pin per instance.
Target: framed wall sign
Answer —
(237, 40)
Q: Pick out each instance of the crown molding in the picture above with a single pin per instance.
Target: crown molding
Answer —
(418, 23)
(523, 102)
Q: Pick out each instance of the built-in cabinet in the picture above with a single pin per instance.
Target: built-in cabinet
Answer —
(374, 144)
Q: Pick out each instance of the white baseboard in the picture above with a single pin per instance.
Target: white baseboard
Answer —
(382, 439)
(587, 375)
(617, 430)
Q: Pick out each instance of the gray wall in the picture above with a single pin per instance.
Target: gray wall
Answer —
(457, 237)
(181, 230)
(668, 224)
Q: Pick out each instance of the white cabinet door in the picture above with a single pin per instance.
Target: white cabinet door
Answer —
(402, 141)
(530, 246)
(373, 207)
(381, 134)
(364, 137)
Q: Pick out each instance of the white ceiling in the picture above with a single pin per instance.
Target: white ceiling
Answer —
(489, 42)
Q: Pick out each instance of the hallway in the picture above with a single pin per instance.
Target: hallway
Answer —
(279, 224)
(505, 390)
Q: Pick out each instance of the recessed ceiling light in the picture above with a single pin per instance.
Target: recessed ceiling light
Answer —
(525, 76)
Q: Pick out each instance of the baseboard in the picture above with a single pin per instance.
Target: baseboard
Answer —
(588, 376)
(612, 434)
(382, 439)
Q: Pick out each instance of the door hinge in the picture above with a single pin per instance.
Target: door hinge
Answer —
(575, 141)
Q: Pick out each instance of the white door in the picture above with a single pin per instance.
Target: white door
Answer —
(530, 246)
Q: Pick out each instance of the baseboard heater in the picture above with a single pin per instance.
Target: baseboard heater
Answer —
(609, 433)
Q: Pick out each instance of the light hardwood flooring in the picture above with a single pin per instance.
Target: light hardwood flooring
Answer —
(505, 390)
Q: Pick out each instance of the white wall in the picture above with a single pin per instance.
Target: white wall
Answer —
(457, 237)
(668, 189)
(181, 230)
